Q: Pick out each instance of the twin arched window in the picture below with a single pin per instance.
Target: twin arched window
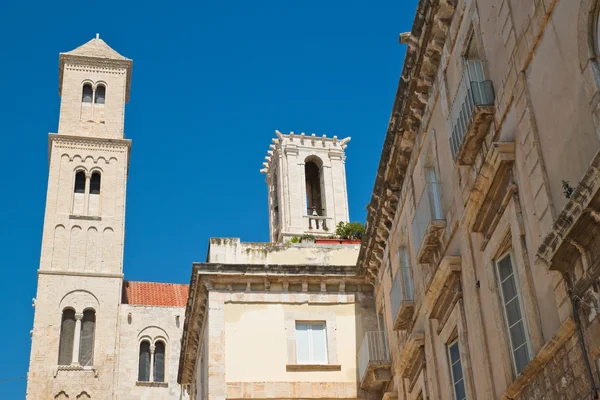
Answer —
(77, 332)
(152, 362)
(88, 93)
(80, 179)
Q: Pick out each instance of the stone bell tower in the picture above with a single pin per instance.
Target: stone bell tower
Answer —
(306, 179)
(75, 330)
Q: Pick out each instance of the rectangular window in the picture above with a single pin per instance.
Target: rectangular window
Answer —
(311, 343)
(513, 313)
(458, 381)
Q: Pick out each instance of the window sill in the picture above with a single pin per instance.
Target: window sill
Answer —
(152, 384)
(85, 217)
(75, 367)
(313, 367)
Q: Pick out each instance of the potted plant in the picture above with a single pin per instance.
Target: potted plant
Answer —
(345, 233)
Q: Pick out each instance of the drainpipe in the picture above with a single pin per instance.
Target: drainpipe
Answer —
(588, 367)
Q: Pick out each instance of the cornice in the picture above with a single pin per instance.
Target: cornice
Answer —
(423, 57)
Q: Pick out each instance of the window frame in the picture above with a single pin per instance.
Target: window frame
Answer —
(149, 366)
(312, 360)
(523, 316)
(454, 382)
(164, 366)
(95, 100)
(92, 339)
(61, 336)
(83, 94)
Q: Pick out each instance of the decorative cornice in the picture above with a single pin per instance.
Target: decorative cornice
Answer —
(292, 142)
(430, 28)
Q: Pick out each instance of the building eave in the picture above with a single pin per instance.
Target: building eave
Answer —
(423, 57)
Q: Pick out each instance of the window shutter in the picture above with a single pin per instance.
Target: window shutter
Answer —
(302, 350)
(86, 344)
(144, 363)
(67, 333)
(319, 344)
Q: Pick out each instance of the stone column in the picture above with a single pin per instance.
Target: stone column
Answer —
(152, 348)
(77, 338)
(86, 194)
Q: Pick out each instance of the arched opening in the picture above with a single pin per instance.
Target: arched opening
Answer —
(100, 94)
(95, 183)
(159, 362)
(275, 199)
(87, 93)
(86, 343)
(314, 201)
(79, 182)
(144, 362)
(67, 334)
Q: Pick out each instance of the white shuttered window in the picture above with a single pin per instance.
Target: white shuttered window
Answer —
(311, 343)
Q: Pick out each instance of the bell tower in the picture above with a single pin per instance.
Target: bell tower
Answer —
(75, 330)
(306, 180)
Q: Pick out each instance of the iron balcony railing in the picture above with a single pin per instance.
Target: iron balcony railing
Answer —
(402, 289)
(470, 94)
(373, 349)
(429, 210)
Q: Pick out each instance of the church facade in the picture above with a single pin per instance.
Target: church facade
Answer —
(95, 335)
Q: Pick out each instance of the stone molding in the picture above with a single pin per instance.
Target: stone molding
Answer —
(85, 217)
(438, 297)
(75, 367)
(546, 353)
(84, 142)
(152, 384)
(313, 367)
(88, 274)
(292, 390)
(415, 91)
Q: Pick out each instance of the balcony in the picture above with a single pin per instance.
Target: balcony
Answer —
(374, 362)
(316, 221)
(428, 223)
(402, 299)
(472, 114)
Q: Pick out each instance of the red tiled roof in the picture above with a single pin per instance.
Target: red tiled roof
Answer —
(155, 294)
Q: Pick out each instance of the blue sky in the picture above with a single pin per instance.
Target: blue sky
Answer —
(211, 83)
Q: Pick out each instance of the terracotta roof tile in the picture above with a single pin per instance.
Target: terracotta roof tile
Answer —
(155, 294)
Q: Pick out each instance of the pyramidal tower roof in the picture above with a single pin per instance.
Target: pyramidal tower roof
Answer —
(96, 48)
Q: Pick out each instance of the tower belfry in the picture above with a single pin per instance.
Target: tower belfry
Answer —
(306, 178)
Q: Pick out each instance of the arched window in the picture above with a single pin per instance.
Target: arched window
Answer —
(86, 96)
(67, 333)
(95, 183)
(79, 182)
(313, 188)
(144, 362)
(100, 94)
(159, 362)
(86, 343)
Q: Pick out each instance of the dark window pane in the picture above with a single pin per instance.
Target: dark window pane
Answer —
(100, 94)
(504, 267)
(517, 335)
(144, 364)
(86, 96)
(159, 362)
(86, 344)
(459, 390)
(95, 183)
(513, 311)
(457, 371)
(67, 332)
(521, 358)
(80, 182)
(509, 288)
(454, 353)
